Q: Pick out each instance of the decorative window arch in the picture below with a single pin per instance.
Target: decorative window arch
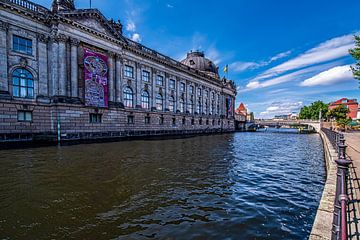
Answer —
(145, 99)
(128, 97)
(159, 102)
(172, 104)
(23, 83)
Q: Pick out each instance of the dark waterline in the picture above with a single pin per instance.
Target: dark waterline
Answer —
(234, 186)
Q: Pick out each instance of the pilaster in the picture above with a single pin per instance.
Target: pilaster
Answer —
(4, 84)
(62, 64)
(74, 43)
(43, 64)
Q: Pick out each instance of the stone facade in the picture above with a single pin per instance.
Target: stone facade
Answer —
(48, 45)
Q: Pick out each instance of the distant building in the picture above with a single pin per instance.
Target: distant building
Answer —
(351, 104)
(241, 113)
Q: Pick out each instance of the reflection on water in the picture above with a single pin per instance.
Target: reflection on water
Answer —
(235, 186)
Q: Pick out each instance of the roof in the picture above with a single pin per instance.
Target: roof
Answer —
(198, 61)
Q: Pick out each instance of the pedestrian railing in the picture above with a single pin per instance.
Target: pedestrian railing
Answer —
(340, 224)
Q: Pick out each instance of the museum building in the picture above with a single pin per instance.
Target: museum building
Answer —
(68, 74)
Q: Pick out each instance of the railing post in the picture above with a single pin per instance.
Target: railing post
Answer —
(343, 168)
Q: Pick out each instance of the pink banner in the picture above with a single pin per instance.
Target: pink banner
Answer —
(96, 79)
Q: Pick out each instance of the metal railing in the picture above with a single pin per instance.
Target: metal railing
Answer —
(340, 224)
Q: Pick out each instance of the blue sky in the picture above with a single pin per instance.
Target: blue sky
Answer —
(281, 54)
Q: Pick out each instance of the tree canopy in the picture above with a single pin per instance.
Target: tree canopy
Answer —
(355, 53)
(312, 111)
(340, 115)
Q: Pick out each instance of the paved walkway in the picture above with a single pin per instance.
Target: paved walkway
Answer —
(353, 151)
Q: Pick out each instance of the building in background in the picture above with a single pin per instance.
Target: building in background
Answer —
(71, 74)
(351, 104)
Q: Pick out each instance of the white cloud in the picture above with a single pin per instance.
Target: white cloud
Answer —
(213, 54)
(169, 5)
(243, 66)
(136, 37)
(130, 26)
(281, 108)
(329, 50)
(331, 76)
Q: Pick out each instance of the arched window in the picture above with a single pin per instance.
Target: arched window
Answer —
(128, 97)
(145, 100)
(172, 104)
(191, 106)
(199, 107)
(23, 83)
(212, 108)
(182, 105)
(159, 102)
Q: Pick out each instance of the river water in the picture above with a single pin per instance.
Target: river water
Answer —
(233, 186)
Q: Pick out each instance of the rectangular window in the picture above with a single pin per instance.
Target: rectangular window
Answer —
(200, 121)
(192, 121)
(25, 116)
(95, 118)
(207, 121)
(147, 120)
(161, 120)
(184, 121)
(174, 121)
(159, 80)
(129, 71)
(21, 44)
(130, 119)
(146, 76)
(191, 90)
(182, 87)
(172, 84)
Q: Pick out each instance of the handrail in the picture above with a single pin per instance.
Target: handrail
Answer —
(28, 5)
(340, 225)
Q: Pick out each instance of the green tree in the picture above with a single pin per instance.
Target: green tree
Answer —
(312, 111)
(340, 115)
(355, 53)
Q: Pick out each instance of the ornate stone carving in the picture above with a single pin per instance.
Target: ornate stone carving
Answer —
(111, 54)
(23, 62)
(43, 38)
(74, 42)
(119, 58)
(62, 38)
(4, 25)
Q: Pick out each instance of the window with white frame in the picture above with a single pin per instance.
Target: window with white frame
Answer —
(23, 83)
(145, 76)
(159, 102)
(182, 105)
(129, 71)
(145, 100)
(128, 97)
(172, 84)
(172, 104)
(21, 44)
(182, 87)
(159, 80)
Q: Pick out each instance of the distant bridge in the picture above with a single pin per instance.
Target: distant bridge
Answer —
(278, 123)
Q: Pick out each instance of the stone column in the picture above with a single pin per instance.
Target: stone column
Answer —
(4, 84)
(153, 84)
(54, 65)
(43, 64)
(138, 85)
(118, 78)
(74, 67)
(62, 65)
(111, 81)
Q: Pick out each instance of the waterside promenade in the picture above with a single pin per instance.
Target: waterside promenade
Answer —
(329, 207)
